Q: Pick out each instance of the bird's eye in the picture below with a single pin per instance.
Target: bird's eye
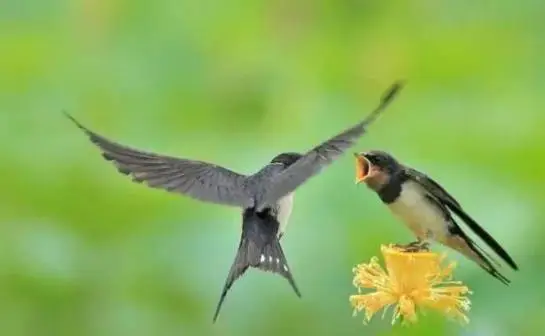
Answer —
(380, 160)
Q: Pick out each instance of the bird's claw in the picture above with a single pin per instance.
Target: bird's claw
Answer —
(416, 246)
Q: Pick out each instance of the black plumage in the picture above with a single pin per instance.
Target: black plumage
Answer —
(394, 183)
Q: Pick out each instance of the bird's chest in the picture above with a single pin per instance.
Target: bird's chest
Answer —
(282, 211)
(412, 206)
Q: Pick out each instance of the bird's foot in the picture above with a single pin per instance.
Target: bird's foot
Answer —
(416, 246)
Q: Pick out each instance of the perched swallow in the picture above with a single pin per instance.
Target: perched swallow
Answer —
(427, 209)
(266, 197)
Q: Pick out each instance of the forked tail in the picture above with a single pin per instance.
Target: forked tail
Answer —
(469, 248)
(486, 261)
(259, 248)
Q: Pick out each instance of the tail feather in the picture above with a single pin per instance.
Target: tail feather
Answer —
(485, 261)
(259, 248)
(466, 246)
(485, 236)
(272, 259)
(239, 267)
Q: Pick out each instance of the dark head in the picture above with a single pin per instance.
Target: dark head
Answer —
(375, 168)
(287, 159)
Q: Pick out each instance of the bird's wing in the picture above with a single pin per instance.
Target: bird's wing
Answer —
(320, 156)
(199, 180)
(453, 205)
(430, 185)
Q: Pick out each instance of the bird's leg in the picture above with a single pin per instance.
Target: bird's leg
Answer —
(419, 245)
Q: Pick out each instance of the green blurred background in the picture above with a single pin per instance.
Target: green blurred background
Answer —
(83, 251)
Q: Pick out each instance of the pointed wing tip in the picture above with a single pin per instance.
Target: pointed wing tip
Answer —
(513, 265)
(509, 260)
(502, 253)
(74, 120)
(393, 91)
(69, 116)
(504, 256)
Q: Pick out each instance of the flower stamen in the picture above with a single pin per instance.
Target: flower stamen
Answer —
(411, 280)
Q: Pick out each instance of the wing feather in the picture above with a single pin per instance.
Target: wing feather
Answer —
(312, 162)
(453, 205)
(197, 179)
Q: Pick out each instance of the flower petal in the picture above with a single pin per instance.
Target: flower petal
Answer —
(372, 302)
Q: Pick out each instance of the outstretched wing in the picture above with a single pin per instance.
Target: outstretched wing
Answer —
(199, 180)
(321, 156)
(450, 202)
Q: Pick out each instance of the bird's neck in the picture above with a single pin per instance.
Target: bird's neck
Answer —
(374, 184)
(390, 191)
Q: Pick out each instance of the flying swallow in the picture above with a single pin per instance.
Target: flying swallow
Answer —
(427, 209)
(266, 197)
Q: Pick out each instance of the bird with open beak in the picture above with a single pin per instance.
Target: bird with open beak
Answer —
(265, 197)
(427, 209)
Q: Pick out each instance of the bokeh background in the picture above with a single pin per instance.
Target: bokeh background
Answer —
(83, 251)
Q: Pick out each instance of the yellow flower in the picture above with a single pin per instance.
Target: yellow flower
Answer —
(413, 279)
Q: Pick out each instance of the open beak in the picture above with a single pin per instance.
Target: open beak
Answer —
(364, 168)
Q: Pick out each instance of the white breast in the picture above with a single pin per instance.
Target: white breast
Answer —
(284, 207)
(424, 219)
